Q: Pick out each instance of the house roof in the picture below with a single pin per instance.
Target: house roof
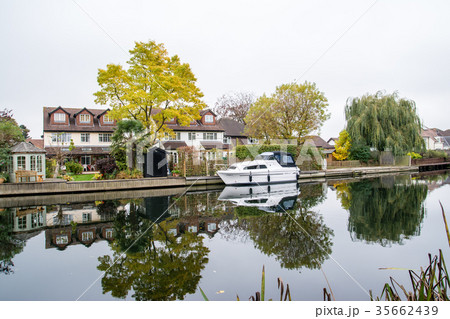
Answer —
(80, 150)
(319, 142)
(430, 133)
(39, 143)
(232, 127)
(72, 127)
(25, 147)
(334, 139)
(209, 145)
(84, 109)
(173, 145)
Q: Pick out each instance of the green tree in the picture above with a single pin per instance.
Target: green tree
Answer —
(10, 135)
(293, 111)
(384, 122)
(154, 89)
(25, 131)
(343, 145)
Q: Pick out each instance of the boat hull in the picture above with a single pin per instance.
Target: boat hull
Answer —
(231, 177)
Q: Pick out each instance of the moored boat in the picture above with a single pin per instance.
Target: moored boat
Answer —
(268, 167)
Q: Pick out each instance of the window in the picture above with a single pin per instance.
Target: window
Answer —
(86, 149)
(212, 227)
(210, 136)
(107, 119)
(227, 140)
(85, 118)
(22, 222)
(61, 137)
(39, 163)
(62, 240)
(175, 137)
(87, 217)
(252, 140)
(59, 117)
(37, 220)
(32, 163)
(87, 236)
(174, 157)
(251, 167)
(104, 137)
(192, 136)
(192, 229)
(85, 160)
(21, 162)
(109, 233)
(209, 118)
(85, 137)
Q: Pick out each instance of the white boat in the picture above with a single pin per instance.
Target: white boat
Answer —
(268, 167)
(270, 198)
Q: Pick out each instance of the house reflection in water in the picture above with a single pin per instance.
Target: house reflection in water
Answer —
(77, 224)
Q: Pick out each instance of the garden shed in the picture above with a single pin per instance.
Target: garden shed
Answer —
(27, 163)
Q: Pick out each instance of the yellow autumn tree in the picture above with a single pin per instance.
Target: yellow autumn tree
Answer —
(154, 89)
(342, 146)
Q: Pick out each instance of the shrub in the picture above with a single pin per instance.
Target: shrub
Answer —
(414, 155)
(5, 176)
(248, 151)
(74, 167)
(360, 153)
(50, 166)
(435, 154)
(107, 166)
(98, 176)
(127, 174)
(68, 178)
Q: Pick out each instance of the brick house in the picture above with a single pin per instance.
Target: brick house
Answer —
(89, 129)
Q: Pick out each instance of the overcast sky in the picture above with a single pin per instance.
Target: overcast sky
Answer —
(51, 50)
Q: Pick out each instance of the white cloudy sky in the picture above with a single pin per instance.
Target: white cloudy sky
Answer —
(51, 50)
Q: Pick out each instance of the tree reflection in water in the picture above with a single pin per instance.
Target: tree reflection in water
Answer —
(297, 237)
(10, 245)
(163, 263)
(385, 210)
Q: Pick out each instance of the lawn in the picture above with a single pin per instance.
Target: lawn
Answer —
(83, 177)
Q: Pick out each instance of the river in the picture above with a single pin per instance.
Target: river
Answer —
(167, 244)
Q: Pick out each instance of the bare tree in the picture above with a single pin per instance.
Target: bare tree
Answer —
(234, 105)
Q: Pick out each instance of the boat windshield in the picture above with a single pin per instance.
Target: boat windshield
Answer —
(265, 157)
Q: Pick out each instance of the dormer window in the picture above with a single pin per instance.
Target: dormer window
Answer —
(209, 119)
(60, 117)
(85, 118)
(107, 119)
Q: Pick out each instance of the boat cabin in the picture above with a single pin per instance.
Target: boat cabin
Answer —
(283, 158)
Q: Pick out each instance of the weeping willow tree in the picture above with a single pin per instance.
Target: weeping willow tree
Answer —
(384, 122)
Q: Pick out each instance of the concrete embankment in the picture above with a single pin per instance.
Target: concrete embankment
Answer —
(62, 187)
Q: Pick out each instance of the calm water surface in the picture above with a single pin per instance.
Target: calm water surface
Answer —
(164, 244)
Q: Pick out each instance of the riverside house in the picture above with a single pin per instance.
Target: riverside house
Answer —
(89, 129)
(204, 135)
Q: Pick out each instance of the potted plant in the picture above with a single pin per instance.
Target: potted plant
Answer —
(3, 177)
(175, 173)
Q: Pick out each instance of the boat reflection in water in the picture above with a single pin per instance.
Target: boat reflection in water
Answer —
(269, 198)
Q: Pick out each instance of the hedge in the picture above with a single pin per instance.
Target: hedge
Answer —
(248, 151)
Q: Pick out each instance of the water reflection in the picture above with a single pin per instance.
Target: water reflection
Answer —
(387, 210)
(159, 250)
(268, 198)
(295, 236)
(10, 245)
